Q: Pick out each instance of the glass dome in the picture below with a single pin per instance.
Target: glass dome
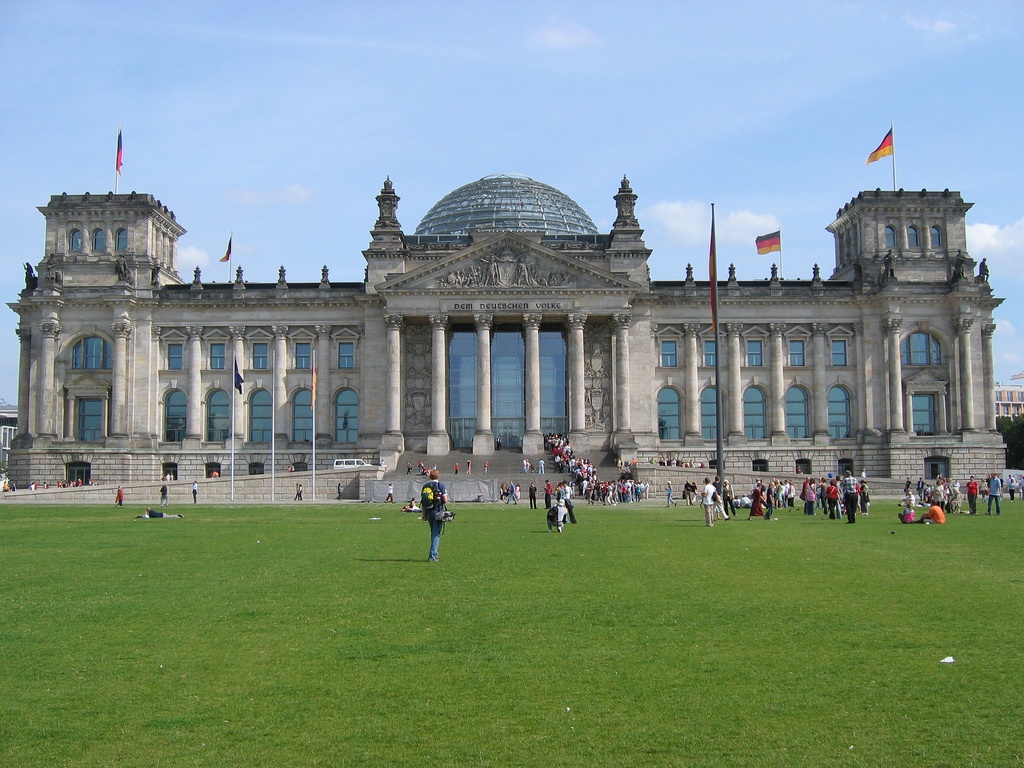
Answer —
(505, 202)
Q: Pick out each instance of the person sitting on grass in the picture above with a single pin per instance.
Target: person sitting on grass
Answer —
(935, 514)
(150, 512)
(412, 507)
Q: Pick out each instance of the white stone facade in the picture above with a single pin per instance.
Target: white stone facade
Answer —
(127, 370)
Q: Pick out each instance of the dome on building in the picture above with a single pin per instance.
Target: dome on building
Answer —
(505, 202)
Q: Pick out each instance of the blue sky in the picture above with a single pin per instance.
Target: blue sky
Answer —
(279, 124)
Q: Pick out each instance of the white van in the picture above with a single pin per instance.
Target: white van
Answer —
(353, 464)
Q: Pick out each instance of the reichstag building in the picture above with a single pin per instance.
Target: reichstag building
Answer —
(504, 316)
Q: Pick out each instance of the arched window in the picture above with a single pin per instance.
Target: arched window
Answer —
(668, 414)
(913, 239)
(302, 417)
(218, 416)
(838, 412)
(175, 416)
(261, 416)
(91, 353)
(708, 414)
(75, 240)
(754, 419)
(796, 412)
(920, 348)
(121, 240)
(890, 237)
(346, 416)
(936, 234)
(99, 240)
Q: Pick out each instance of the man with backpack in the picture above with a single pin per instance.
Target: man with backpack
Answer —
(433, 498)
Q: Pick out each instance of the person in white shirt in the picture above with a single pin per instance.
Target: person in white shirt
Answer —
(709, 493)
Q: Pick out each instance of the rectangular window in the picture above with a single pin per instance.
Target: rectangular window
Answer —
(755, 353)
(839, 352)
(174, 357)
(260, 356)
(923, 414)
(216, 356)
(303, 355)
(346, 354)
(90, 419)
(796, 352)
(709, 354)
(668, 354)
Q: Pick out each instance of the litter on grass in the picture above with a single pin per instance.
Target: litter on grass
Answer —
(947, 660)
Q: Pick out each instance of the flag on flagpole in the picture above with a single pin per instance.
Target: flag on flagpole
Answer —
(713, 272)
(885, 149)
(120, 154)
(312, 392)
(768, 243)
(227, 253)
(239, 381)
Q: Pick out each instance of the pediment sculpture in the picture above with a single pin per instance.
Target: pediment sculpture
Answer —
(507, 269)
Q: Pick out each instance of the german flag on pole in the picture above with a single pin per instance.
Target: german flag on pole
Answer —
(769, 243)
(713, 273)
(119, 160)
(227, 254)
(885, 149)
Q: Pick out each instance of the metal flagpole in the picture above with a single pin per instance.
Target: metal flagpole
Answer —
(719, 417)
(273, 428)
(231, 426)
(892, 130)
(312, 403)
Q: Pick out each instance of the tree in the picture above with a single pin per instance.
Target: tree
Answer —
(1012, 430)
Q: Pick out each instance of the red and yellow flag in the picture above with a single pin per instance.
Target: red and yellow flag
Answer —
(227, 253)
(885, 149)
(119, 160)
(768, 243)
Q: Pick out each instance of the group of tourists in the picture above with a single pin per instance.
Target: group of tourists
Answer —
(950, 495)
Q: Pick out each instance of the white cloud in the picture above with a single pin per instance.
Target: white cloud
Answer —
(934, 26)
(1002, 246)
(290, 194)
(689, 222)
(189, 256)
(563, 36)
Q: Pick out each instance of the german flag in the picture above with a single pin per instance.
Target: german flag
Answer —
(768, 243)
(885, 149)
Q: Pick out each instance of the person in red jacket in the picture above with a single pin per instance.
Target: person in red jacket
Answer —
(972, 495)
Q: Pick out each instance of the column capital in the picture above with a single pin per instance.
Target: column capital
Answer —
(279, 331)
(819, 329)
(776, 329)
(439, 321)
(394, 322)
(732, 329)
(323, 330)
(892, 324)
(122, 328)
(50, 329)
(963, 324)
(577, 320)
(987, 329)
(25, 334)
(622, 320)
(237, 331)
(155, 331)
(194, 331)
(483, 321)
(532, 321)
(690, 329)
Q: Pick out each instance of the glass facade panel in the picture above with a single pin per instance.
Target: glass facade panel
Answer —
(302, 417)
(923, 407)
(218, 416)
(796, 412)
(91, 353)
(668, 414)
(838, 412)
(708, 414)
(754, 414)
(260, 356)
(261, 417)
(462, 387)
(796, 352)
(90, 419)
(303, 355)
(508, 386)
(709, 354)
(99, 240)
(755, 352)
(936, 237)
(346, 416)
(839, 352)
(175, 416)
(175, 357)
(890, 237)
(668, 354)
(121, 240)
(920, 349)
(346, 354)
(217, 356)
(554, 388)
(913, 238)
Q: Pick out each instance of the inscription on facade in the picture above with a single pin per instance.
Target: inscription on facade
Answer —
(510, 306)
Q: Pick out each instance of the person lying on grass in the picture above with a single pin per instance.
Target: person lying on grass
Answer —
(150, 512)
(411, 507)
(935, 514)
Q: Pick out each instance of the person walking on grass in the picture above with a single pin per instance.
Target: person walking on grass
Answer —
(298, 492)
(995, 492)
(433, 515)
(119, 497)
(164, 492)
(669, 501)
(709, 494)
(195, 492)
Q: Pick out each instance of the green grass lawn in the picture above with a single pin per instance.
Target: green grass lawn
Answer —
(318, 635)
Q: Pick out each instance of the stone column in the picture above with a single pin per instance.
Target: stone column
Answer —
(438, 443)
(577, 380)
(483, 437)
(778, 395)
(692, 395)
(861, 363)
(50, 331)
(24, 376)
(622, 322)
(393, 401)
(533, 440)
(237, 358)
(194, 430)
(322, 407)
(819, 397)
(988, 374)
(280, 392)
(891, 326)
(735, 389)
(963, 329)
(119, 385)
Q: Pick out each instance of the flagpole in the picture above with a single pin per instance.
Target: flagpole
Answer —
(117, 161)
(273, 429)
(719, 419)
(892, 130)
(231, 431)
